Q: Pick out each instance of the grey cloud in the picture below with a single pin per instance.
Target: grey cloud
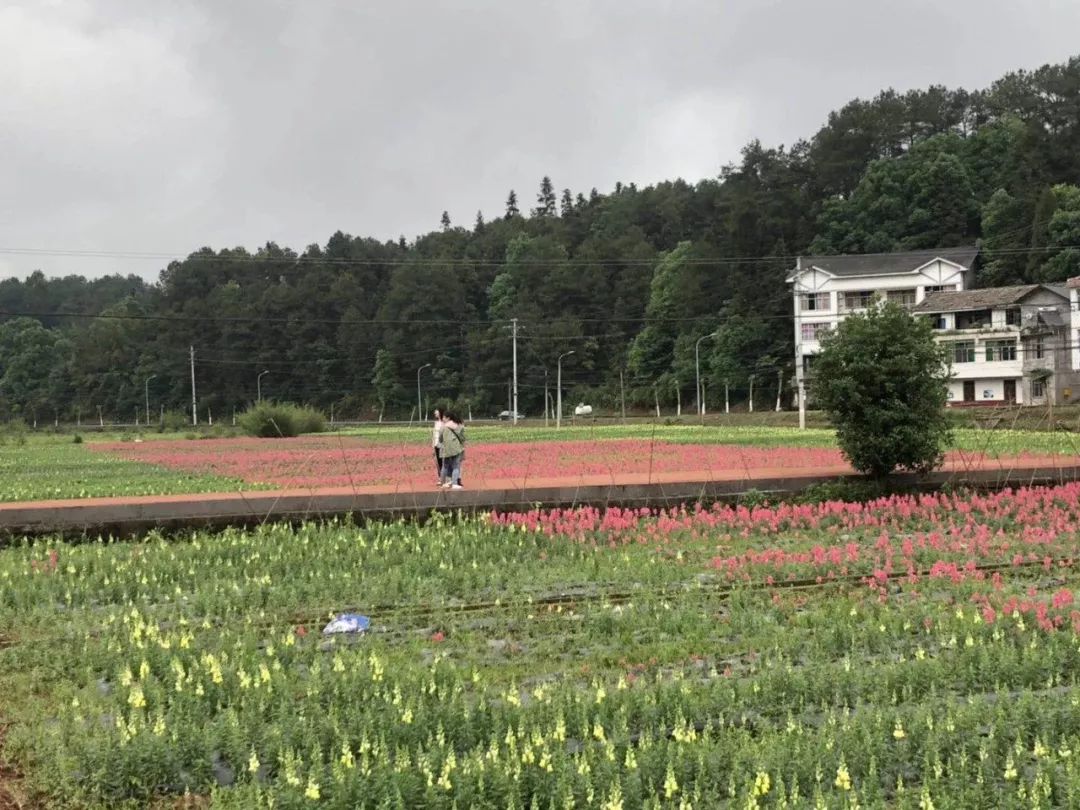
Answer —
(164, 127)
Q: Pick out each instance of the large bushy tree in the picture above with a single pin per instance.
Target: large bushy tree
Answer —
(883, 381)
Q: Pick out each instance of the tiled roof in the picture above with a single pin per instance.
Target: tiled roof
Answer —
(975, 299)
(887, 264)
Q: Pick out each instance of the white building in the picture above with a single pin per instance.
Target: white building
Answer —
(827, 288)
(1073, 286)
(1007, 345)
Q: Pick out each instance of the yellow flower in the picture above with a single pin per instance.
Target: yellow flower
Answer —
(898, 731)
(762, 783)
(843, 778)
(136, 697)
(671, 787)
(1010, 767)
(614, 799)
(598, 731)
(144, 670)
(253, 762)
(312, 790)
(347, 760)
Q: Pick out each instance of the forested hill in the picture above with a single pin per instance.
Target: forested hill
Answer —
(626, 280)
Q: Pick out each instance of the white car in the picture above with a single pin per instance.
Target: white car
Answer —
(583, 410)
(510, 415)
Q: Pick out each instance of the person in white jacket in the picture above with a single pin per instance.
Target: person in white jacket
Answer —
(436, 444)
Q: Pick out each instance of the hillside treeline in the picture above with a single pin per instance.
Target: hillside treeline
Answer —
(627, 280)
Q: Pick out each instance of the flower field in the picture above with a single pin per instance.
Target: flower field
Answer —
(53, 467)
(909, 652)
(400, 458)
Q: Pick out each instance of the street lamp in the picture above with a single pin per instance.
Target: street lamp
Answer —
(258, 384)
(146, 397)
(558, 389)
(419, 402)
(697, 370)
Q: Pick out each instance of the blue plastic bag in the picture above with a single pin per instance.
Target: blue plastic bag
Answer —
(347, 623)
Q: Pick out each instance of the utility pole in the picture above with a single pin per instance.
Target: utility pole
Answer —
(656, 398)
(194, 410)
(751, 393)
(727, 399)
(514, 398)
(802, 406)
(697, 373)
(622, 395)
(146, 396)
(545, 397)
(558, 388)
(419, 400)
(258, 385)
(779, 388)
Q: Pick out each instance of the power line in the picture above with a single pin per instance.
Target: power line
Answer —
(471, 261)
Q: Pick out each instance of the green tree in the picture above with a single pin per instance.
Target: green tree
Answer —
(545, 200)
(444, 221)
(883, 381)
(1004, 229)
(1064, 236)
(33, 361)
(385, 380)
(512, 205)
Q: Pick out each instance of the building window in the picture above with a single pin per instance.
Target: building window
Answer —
(1038, 348)
(813, 331)
(933, 288)
(963, 351)
(858, 300)
(937, 321)
(808, 364)
(905, 298)
(1012, 316)
(1038, 389)
(814, 302)
(1000, 350)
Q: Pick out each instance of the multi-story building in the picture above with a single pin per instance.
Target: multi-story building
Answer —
(827, 288)
(1073, 286)
(1007, 345)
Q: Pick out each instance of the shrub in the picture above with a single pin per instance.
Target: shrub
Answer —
(271, 420)
(77, 439)
(174, 422)
(883, 382)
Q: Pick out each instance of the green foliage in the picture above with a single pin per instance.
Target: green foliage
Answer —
(883, 381)
(628, 280)
(1064, 235)
(268, 420)
(174, 421)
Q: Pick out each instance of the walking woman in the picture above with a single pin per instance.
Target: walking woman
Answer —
(436, 444)
(453, 450)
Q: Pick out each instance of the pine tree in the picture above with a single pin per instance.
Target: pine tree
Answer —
(545, 200)
(511, 205)
(445, 221)
(479, 221)
(567, 204)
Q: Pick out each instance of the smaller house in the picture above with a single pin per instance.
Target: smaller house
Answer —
(1008, 345)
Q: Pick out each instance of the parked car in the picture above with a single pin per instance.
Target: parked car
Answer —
(583, 410)
(510, 415)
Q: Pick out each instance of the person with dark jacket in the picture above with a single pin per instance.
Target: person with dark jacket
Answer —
(453, 450)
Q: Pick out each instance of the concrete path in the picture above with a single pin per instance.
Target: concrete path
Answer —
(126, 515)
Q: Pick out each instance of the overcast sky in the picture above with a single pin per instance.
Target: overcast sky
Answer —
(160, 127)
